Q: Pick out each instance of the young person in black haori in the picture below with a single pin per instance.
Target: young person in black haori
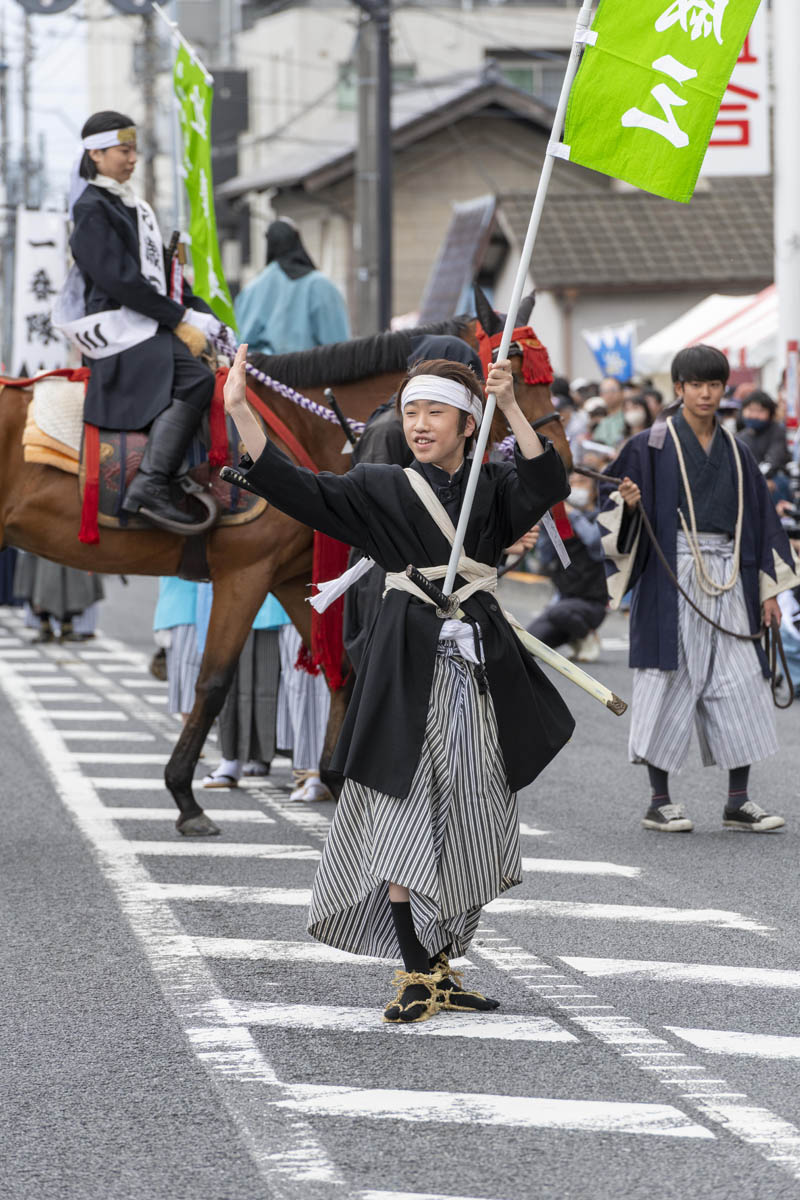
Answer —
(449, 718)
(142, 346)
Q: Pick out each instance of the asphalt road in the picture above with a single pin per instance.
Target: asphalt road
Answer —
(169, 1031)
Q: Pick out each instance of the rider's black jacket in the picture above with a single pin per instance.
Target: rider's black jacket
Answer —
(126, 390)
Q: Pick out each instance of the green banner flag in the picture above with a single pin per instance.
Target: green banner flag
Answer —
(195, 95)
(647, 94)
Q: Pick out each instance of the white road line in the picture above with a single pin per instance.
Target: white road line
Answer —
(372, 1195)
(39, 667)
(532, 831)
(265, 950)
(71, 714)
(82, 698)
(711, 917)
(286, 1153)
(752, 1045)
(115, 667)
(155, 699)
(143, 683)
(215, 849)
(344, 1019)
(235, 894)
(61, 682)
(13, 654)
(775, 1139)
(109, 758)
(253, 816)
(106, 735)
(677, 972)
(568, 866)
(127, 783)
(513, 1112)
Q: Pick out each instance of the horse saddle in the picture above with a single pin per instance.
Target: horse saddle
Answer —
(53, 437)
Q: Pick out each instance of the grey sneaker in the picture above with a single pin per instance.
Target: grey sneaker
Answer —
(752, 818)
(669, 818)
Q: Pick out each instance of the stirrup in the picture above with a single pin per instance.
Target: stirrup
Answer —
(428, 1007)
(192, 489)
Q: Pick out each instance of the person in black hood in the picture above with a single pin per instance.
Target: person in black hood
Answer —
(765, 436)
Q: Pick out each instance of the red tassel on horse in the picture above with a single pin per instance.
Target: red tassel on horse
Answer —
(327, 643)
(217, 424)
(89, 531)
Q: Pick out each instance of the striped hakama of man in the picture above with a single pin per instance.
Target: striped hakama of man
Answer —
(248, 716)
(453, 841)
(183, 667)
(304, 703)
(718, 685)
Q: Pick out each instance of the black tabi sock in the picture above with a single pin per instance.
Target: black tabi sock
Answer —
(659, 784)
(738, 779)
(415, 956)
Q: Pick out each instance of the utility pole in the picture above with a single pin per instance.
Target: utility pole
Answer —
(786, 38)
(149, 64)
(372, 229)
(6, 211)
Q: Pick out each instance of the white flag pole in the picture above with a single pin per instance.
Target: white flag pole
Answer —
(581, 31)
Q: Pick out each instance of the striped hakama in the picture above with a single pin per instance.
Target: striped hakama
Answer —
(248, 716)
(718, 685)
(183, 667)
(453, 841)
(304, 703)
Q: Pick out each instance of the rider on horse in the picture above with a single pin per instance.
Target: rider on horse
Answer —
(142, 345)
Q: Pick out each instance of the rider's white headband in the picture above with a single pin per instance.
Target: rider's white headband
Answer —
(446, 391)
(110, 137)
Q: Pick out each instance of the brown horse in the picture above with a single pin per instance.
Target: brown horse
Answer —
(40, 511)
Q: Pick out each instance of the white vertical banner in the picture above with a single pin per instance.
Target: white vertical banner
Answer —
(40, 270)
(741, 139)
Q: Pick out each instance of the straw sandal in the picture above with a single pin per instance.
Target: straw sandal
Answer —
(417, 998)
(453, 997)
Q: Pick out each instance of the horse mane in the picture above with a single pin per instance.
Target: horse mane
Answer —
(346, 362)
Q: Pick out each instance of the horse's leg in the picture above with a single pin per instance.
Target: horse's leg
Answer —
(238, 595)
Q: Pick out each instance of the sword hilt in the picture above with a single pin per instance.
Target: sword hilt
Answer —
(445, 605)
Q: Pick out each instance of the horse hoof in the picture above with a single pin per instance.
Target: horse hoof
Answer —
(199, 826)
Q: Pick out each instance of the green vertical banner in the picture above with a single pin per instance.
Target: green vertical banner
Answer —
(195, 95)
(647, 94)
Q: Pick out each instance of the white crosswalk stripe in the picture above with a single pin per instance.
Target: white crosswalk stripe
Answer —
(52, 685)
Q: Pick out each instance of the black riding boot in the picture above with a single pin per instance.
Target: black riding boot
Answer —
(167, 442)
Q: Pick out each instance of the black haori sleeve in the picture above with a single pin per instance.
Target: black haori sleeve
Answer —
(100, 251)
(333, 504)
(529, 488)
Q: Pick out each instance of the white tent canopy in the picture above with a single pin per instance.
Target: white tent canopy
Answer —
(744, 327)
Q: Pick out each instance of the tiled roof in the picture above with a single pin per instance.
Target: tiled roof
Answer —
(620, 240)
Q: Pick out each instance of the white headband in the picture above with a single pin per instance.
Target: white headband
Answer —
(110, 137)
(447, 391)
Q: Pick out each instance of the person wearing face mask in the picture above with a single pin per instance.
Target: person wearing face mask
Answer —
(579, 606)
(637, 415)
(765, 436)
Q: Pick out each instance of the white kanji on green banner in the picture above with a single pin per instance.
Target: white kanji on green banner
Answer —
(195, 95)
(647, 94)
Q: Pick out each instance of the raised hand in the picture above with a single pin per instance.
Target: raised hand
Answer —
(235, 390)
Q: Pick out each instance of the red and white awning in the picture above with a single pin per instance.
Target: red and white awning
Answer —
(744, 327)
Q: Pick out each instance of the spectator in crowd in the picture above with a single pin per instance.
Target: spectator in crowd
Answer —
(582, 444)
(637, 415)
(763, 433)
(579, 607)
(611, 430)
(654, 400)
(58, 597)
(291, 305)
(248, 719)
(175, 629)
